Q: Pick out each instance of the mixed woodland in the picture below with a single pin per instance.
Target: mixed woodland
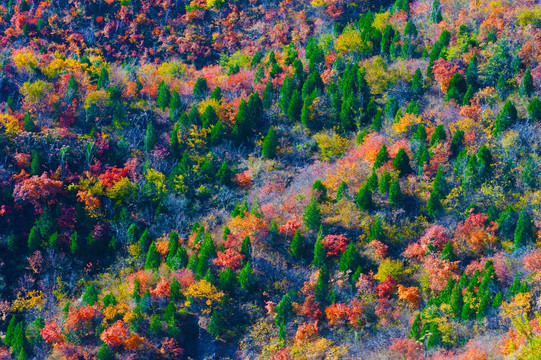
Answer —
(286, 180)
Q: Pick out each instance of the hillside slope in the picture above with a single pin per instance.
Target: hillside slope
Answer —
(270, 180)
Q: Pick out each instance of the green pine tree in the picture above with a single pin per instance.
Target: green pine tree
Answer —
(284, 310)
(209, 117)
(103, 80)
(228, 280)
(53, 242)
(246, 277)
(417, 83)
(524, 234)
(457, 88)
(372, 180)
(438, 135)
(175, 106)
(172, 245)
(285, 94)
(402, 163)
(384, 184)
(416, 328)
(10, 331)
(144, 240)
(534, 110)
(75, 244)
(150, 137)
(376, 230)
(294, 108)
(90, 296)
(34, 239)
(434, 339)
(175, 290)
(217, 325)
(104, 353)
(29, 124)
(434, 206)
(526, 86)
(225, 174)
(155, 327)
(312, 214)
(342, 191)
(507, 116)
(153, 258)
(447, 252)
(200, 89)
(364, 198)
(35, 165)
(321, 288)
(319, 190)
(296, 249)
(395, 195)
(456, 301)
(320, 252)
(498, 299)
(164, 96)
(472, 77)
(268, 95)
(382, 157)
(484, 162)
(456, 142)
(468, 96)
(435, 15)
(180, 260)
(350, 259)
(270, 144)
(216, 93)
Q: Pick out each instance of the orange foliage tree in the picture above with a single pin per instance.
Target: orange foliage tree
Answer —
(115, 335)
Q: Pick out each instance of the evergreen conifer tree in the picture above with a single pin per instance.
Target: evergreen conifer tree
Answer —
(364, 198)
(384, 183)
(104, 353)
(456, 301)
(270, 144)
(228, 280)
(200, 88)
(153, 257)
(144, 240)
(320, 252)
(150, 137)
(34, 239)
(312, 214)
(534, 110)
(402, 163)
(524, 231)
(395, 195)
(294, 108)
(217, 325)
(246, 277)
(382, 157)
(296, 249)
(341, 191)
(526, 86)
(438, 135)
(350, 259)
(164, 96)
(321, 288)
(417, 86)
(435, 15)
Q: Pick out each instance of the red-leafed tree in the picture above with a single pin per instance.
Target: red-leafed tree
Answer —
(38, 190)
(52, 333)
(335, 244)
(116, 334)
(229, 258)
